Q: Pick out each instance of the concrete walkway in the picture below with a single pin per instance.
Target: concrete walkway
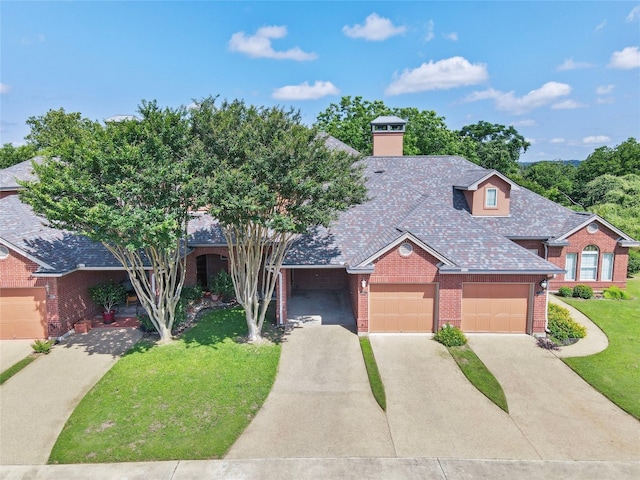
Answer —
(560, 414)
(332, 469)
(595, 340)
(36, 403)
(12, 351)
(321, 403)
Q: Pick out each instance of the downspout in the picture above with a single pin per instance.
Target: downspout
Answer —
(280, 319)
(546, 310)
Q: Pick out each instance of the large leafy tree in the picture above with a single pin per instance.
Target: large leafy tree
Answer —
(426, 132)
(496, 146)
(125, 184)
(10, 155)
(268, 178)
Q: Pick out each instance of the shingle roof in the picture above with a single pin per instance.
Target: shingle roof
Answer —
(20, 171)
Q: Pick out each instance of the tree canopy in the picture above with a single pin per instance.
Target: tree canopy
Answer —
(269, 179)
(10, 155)
(126, 184)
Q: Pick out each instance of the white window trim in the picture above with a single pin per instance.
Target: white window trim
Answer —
(589, 253)
(571, 275)
(486, 197)
(609, 272)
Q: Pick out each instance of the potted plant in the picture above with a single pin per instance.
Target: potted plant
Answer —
(107, 295)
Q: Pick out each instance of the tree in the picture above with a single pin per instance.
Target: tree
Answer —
(125, 184)
(10, 155)
(496, 146)
(554, 180)
(426, 132)
(270, 178)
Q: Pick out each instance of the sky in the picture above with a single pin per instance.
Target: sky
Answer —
(566, 74)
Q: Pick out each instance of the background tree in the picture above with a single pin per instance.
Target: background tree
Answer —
(267, 179)
(496, 146)
(126, 184)
(554, 180)
(10, 155)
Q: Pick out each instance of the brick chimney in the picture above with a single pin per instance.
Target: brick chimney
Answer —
(388, 135)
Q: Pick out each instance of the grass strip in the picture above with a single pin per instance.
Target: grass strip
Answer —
(190, 399)
(614, 372)
(479, 375)
(15, 368)
(377, 387)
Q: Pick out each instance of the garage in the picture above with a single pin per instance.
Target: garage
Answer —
(407, 308)
(495, 307)
(22, 313)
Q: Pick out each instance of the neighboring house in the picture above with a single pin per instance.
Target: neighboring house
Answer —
(440, 240)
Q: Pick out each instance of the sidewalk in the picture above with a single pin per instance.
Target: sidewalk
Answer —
(595, 341)
(36, 403)
(332, 469)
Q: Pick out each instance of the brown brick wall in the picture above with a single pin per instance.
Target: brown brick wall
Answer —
(532, 244)
(212, 263)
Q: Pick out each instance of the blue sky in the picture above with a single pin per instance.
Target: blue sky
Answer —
(565, 74)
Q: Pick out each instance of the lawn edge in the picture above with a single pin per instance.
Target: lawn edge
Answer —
(16, 367)
(373, 374)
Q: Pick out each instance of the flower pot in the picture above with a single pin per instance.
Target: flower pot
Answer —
(108, 317)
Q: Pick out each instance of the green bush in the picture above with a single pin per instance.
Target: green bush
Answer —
(615, 293)
(146, 324)
(583, 291)
(222, 285)
(634, 262)
(42, 346)
(107, 295)
(565, 292)
(450, 336)
(562, 326)
(192, 293)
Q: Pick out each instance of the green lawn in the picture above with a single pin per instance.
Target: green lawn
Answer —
(187, 400)
(479, 375)
(377, 387)
(615, 372)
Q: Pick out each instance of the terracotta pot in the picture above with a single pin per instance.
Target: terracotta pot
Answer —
(108, 317)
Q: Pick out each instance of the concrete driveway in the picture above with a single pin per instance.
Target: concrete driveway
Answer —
(433, 410)
(321, 403)
(562, 416)
(320, 307)
(36, 402)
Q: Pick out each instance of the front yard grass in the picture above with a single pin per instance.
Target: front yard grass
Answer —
(187, 400)
(377, 387)
(615, 372)
(479, 375)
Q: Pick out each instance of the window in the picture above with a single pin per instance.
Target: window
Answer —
(4, 252)
(405, 249)
(570, 266)
(589, 263)
(592, 227)
(491, 198)
(607, 267)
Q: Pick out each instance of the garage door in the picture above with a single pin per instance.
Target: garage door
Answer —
(495, 307)
(22, 313)
(401, 307)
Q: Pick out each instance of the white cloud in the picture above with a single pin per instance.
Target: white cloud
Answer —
(375, 28)
(567, 105)
(626, 59)
(605, 100)
(570, 64)
(532, 141)
(595, 139)
(634, 14)
(429, 36)
(4, 88)
(525, 123)
(507, 101)
(304, 91)
(453, 36)
(601, 25)
(39, 38)
(441, 75)
(259, 45)
(557, 140)
(605, 89)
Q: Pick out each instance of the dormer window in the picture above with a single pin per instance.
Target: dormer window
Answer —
(491, 198)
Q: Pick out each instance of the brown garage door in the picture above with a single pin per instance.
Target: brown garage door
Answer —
(495, 307)
(22, 313)
(401, 307)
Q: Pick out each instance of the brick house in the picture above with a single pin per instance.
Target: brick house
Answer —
(440, 240)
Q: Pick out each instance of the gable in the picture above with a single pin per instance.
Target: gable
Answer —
(492, 197)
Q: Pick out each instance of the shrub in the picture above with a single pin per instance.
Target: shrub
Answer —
(192, 293)
(450, 336)
(633, 266)
(145, 323)
(583, 291)
(107, 295)
(222, 285)
(565, 291)
(615, 293)
(42, 346)
(562, 326)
